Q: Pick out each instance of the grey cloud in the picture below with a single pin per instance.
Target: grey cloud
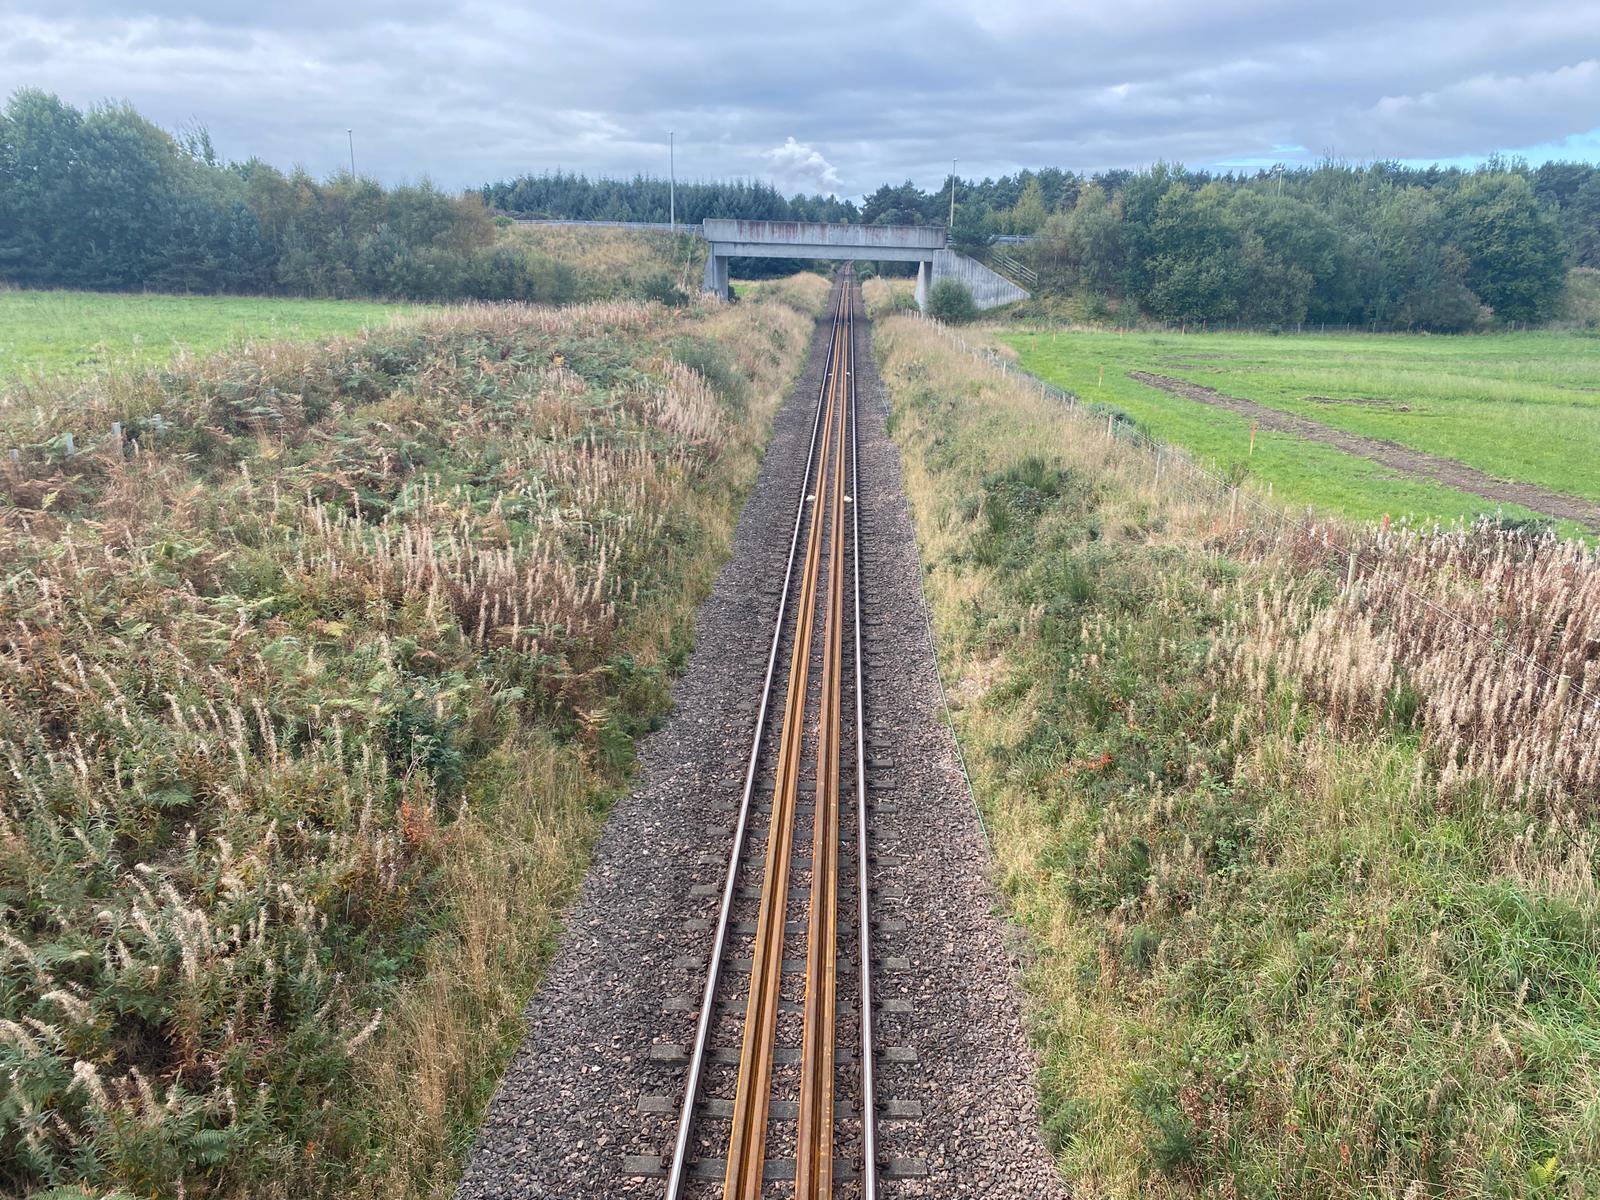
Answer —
(467, 91)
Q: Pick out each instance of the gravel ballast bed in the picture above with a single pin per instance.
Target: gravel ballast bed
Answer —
(567, 1113)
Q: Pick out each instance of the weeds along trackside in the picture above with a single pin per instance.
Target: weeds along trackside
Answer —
(1308, 871)
(316, 677)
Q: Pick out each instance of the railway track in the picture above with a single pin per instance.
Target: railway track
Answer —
(779, 1091)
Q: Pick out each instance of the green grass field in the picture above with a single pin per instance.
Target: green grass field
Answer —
(1523, 407)
(1278, 944)
(76, 333)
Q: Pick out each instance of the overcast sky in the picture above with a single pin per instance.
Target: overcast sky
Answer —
(828, 96)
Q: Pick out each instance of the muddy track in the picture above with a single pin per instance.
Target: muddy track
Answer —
(1398, 458)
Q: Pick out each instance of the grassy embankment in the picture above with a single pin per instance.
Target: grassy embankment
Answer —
(79, 333)
(611, 263)
(881, 296)
(1521, 406)
(314, 692)
(1309, 875)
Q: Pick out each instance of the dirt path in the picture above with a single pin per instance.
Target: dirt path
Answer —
(1398, 458)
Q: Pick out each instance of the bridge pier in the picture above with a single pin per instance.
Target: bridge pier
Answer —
(716, 281)
(924, 283)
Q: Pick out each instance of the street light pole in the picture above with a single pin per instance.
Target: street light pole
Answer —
(352, 135)
(672, 175)
(953, 163)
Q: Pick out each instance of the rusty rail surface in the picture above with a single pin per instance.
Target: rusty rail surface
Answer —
(829, 599)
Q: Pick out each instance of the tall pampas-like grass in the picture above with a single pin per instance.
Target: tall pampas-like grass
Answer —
(317, 664)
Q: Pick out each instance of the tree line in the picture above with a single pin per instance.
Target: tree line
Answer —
(104, 199)
(1436, 248)
(565, 196)
(1376, 244)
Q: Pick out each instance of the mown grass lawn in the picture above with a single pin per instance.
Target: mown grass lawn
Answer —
(1518, 406)
(76, 333)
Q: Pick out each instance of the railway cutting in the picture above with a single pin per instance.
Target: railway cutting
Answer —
(784, 976)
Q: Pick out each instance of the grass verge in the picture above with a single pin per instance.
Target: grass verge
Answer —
(614, 263)
(315, 688)
(1308, 874)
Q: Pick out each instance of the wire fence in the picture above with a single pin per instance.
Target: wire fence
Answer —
(1345, 560)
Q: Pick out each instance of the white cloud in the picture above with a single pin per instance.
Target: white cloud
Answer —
(799, 167)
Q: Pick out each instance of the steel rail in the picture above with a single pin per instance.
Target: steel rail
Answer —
(746, 1161)
(697, 1058)
(814, 1138)
(869, 1115)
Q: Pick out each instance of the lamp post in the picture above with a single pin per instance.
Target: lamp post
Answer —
(672, 179)
(953, 163)
(351, 133)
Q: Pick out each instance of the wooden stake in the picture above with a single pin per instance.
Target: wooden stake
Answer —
(1252, 439)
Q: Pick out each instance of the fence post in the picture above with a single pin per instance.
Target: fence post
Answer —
(1158, 464)
(1233, 507)
(1350, 573)
(1111, 434)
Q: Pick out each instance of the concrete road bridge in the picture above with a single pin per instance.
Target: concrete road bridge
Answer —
(924, 245)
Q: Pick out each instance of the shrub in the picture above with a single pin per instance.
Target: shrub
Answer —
(661, 288)
(1580, 305)
(951, 302)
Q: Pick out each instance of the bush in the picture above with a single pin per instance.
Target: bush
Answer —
(1581, 300)
(951, 302)
(660, 288)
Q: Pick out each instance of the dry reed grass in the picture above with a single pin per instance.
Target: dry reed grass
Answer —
(314, 681)
(1308, 872)
(613, 262)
